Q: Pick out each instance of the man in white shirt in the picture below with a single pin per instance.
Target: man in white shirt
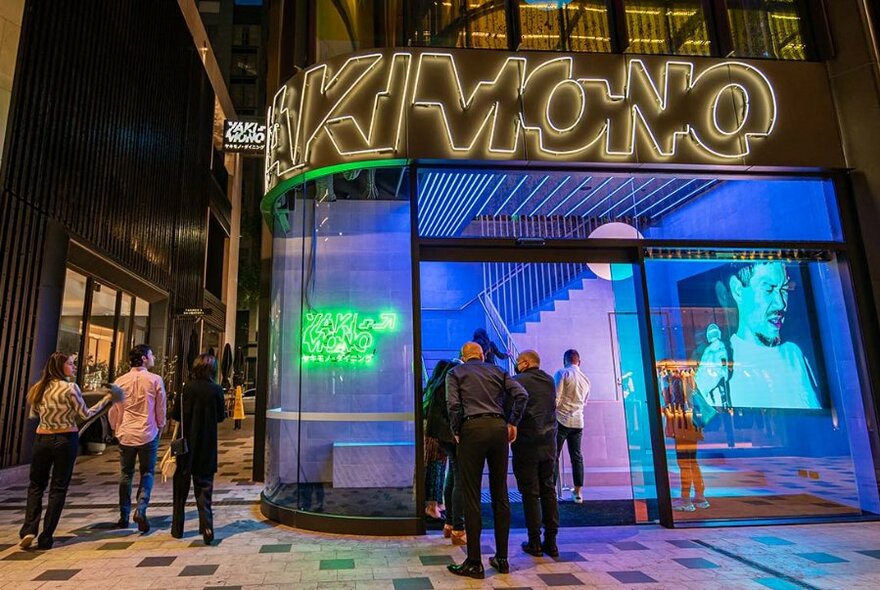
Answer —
(572, 392)
(766, 372)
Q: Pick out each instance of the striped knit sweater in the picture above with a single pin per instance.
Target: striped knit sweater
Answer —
(61, 405)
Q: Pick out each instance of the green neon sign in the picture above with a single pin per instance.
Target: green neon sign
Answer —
(344, 337)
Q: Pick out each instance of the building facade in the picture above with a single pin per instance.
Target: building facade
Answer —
(683, 191)
(117, 205)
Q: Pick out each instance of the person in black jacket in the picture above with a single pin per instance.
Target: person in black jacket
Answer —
(491, 352)
(437, 427)
(202, 407)
(534, 455)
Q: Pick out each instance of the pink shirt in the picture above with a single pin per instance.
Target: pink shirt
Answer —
(138, 419)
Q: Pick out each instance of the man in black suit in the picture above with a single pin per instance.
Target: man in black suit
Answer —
(477, 394)
(534, 455)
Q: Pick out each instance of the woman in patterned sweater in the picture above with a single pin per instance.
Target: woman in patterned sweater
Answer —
(57, 402)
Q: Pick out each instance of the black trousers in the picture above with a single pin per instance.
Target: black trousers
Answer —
(484, 440)
(534, 471)
(452, 489)
(55, 453)
(203, 488)
(573, 437)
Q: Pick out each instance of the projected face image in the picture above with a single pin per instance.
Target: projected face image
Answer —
(761, 294)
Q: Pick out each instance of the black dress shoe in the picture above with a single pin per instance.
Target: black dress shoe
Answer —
(142, 522)
(466, 568)
(122, 523)
(500, 564)
(550, 548)
(533, 548)
(208, 536)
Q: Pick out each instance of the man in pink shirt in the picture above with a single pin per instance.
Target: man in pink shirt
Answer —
(137, 422)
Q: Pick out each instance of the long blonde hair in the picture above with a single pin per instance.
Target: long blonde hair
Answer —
(54, 370)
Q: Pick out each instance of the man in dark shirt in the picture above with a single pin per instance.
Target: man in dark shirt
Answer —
(477, 394)
(534, 455)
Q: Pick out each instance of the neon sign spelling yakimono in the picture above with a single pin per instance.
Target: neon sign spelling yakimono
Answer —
(429, 104)
(343, 337)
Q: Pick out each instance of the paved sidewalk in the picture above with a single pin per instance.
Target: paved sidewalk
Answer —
(255, 553)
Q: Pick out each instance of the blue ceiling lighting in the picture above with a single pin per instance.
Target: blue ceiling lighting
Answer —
(531, 194)
(451, 228)
(441, 206)
(550, 196)
(607, 197)
(589, 195)
(634, 206)
(425, 188)
(507, 200)
(565, 200)
(430, 193)
(491, 195)
(623, 200)
(453, 203)
(683, 199)
(665, 197)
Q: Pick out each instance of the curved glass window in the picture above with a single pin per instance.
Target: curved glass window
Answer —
(671, 27)
(341, 426)
(762, 28)
(460, 23)
(345, 26)
(555, 25)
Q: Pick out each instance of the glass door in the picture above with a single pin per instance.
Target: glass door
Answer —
(551, 308)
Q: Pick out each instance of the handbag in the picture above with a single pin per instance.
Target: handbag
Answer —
(704, 412)
(168, 464)
(178, 446)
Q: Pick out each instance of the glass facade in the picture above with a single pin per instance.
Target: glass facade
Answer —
(773, 29)
(738, 368)
(777, 29)
(580, 25)
(100, 324)
(672, 27)
(341, 418)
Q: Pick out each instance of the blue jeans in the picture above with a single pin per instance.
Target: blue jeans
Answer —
(146, 458)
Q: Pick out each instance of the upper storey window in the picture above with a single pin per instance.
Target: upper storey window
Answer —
(460, 23)
(769, 28)
(345, 26)
(558, 25)
(671, 27)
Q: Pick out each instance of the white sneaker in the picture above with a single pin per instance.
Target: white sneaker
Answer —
(578, 499)
(701, 503)
(683, 506)
(27, 541)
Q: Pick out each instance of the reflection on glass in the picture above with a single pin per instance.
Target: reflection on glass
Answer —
(70, 324)
(765, 28)
(141, 321)
(102, 337)
(341, 432)
(460, 23)
(125, 334)
(558, 25)
(762, 396)
(551, 308)
(345, 26)
(676, 27)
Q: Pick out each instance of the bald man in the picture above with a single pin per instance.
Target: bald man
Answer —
(477, 393)
(534, 455)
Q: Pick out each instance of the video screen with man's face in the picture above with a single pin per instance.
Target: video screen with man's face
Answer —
(754, 335)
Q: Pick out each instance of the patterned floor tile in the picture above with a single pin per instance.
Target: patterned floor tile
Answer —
(412, 584)
(156, 561)
(778, 584)
(633, 577)
(56, 575)
(695, 563)
(630, 546)
(685, 544)
(560, 579)
(198, 570)
(773, 541)
(278, 548)
(820, 557)
(435, 560)
(337, 564)
(875, 553)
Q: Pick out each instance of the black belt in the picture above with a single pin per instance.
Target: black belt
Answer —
(487, 415)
